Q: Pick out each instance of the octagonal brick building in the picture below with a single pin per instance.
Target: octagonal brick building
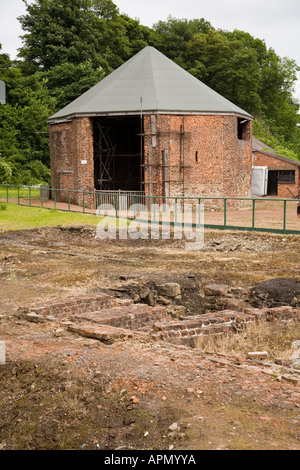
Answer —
(151, 127)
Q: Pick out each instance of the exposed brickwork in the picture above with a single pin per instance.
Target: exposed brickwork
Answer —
(108, 319)
(131, 316)
(72, 159)
(217, 162)
(71, 306)
(190, 329)
(105, 334)
(273, 163)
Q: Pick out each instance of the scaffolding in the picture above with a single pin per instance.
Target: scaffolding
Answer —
(163, 165)
(120, 164)
(116, 157)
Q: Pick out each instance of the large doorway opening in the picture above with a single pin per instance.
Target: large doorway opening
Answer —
(272, 183)
(118, 153)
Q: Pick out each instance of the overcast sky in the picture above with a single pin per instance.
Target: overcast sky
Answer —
(277, 22)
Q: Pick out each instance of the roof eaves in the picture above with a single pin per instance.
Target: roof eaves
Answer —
(70, 117)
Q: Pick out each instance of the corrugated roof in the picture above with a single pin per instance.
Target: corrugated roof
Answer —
(163, 85)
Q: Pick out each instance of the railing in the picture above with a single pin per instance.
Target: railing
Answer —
(126, 198)
(231, 213)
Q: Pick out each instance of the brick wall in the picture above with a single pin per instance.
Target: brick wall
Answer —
(192, 330)
(101, 315)
(71, 305)
(72, 159)
(217, 162)
(273, 163)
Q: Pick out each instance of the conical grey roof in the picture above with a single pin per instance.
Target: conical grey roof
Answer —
(163, 85)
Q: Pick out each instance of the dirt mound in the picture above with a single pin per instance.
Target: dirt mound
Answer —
(276, 292)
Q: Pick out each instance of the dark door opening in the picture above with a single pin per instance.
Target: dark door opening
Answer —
(272, 183)
(118, 153)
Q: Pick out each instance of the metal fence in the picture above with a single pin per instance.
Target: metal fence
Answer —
(251, 214)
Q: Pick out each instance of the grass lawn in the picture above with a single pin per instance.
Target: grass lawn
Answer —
(14, 217)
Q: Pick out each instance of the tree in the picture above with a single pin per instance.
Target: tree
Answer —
(174, 34)
(227, 66)
(70, 45)
(238, 66)
(66, 82)
(73, 44)
(75, 32)
(24, 148)
(57, 32)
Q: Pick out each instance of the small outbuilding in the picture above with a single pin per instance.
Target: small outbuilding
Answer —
(274, 175)
(153, 128)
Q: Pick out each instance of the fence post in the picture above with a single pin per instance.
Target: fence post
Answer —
(225, 212)
(199, 208)
(83, 202)
(29, 196)
(116, 205)
(54, 198)
(69, 201)
(99, 203)
(18, 195)
(7, 194)
(284, 216)
(42, 197)
(253, 214)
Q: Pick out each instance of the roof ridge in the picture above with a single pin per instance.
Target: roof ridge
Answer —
(153, 79)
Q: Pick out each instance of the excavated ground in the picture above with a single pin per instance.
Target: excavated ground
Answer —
(62, 391)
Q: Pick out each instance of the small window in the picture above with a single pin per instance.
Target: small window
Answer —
(286, 176)
(196, 157)
(243, 129)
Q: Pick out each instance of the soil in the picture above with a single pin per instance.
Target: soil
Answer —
(60, 391)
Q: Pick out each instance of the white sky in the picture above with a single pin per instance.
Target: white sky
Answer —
(277, 22)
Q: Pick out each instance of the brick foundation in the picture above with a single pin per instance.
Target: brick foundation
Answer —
(71, 306)
(190, 329)
(108, 319)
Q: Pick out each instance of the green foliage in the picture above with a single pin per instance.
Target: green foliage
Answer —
(78, 31)
(242, 69)
(66, 82)
(174, 35)
(226, 66)
(262, 131)
(24, 146)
